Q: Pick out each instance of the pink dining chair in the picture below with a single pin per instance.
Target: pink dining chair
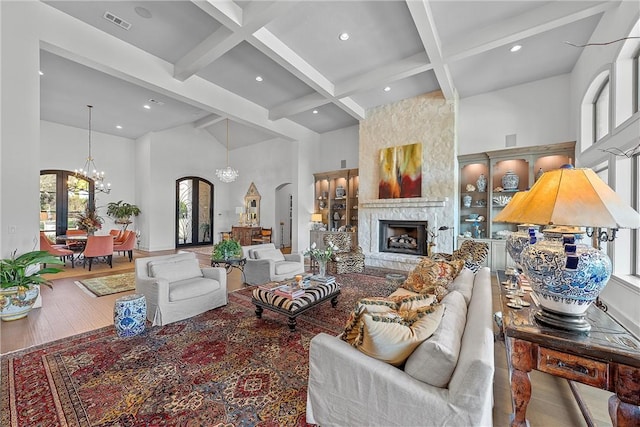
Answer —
(99, 246)
(55, 250)
(127, 244)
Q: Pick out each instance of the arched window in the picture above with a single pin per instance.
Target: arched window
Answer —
(194, 212)
(62, 197)
(601, 112)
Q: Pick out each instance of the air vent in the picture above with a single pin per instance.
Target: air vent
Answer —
(118, 21)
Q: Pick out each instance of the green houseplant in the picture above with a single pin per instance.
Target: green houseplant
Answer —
(226, 249)
(17, 290)
(122, 212)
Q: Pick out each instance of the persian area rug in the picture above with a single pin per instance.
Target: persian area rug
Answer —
(224, 367)
(107, 285)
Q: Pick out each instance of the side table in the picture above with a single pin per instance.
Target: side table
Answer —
(607, 357)
(130, 315)
(230, 263)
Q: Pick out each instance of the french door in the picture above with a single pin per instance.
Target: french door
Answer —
(194, 212)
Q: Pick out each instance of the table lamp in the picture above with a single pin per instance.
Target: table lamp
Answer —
(567, 276)
(316, 219)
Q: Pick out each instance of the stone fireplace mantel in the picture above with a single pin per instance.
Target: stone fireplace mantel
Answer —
(404, 203)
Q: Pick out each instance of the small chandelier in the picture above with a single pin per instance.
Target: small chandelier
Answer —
(90, 171)
(227, 174)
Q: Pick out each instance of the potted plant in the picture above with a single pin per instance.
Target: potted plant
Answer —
(122, 212)
(17, 280)
(226, 249)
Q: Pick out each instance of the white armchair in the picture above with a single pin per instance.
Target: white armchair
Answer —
(265, 264)
(176, 287)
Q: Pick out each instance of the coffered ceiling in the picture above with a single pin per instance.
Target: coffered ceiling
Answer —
(308, 75)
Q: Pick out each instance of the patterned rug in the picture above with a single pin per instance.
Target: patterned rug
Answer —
(224, 367)
(107, 285)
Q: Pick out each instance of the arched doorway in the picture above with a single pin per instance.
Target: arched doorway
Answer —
(194, 211)
(284, 215)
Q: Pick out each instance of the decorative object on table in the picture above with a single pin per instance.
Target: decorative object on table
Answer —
(227, 174)
(518, 240)
(501, 200)
(240, 213)
(321, 256)
(89, 221)
(481, 203)
(19, 282)
(466, 201)
(400, 172)
(510, 181)
(252, 205)
(567, 276)
(340, 192)
(470, 187)
(316, 221)
(122, 212)
(226, 249)
(130, 315)
(539, 174)
(481, 183)
(89, 172)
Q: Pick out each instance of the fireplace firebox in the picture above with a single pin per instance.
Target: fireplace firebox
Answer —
(405, 237)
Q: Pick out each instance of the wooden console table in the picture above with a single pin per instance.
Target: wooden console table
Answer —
(607, 357)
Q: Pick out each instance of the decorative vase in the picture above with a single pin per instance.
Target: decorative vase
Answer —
(16, 303)
(539, 174)
(481, 183)
(466, 201)
(517, 241)
(510, 181)
(129, 315)
(566, 277)
(340, 192)
(322, 267)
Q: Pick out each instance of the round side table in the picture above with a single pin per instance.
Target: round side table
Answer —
(130, 315)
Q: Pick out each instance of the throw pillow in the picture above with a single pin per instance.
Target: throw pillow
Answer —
(392, 336)
(273, 254)
(463, 283)
(174, 271)
(434, 361)
(472, 253)
(433, 277)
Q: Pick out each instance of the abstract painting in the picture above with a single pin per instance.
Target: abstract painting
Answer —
(400, 172)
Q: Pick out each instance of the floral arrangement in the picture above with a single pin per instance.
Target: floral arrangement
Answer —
(321, 254)
(90, 221)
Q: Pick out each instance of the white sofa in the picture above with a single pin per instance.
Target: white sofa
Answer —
(347, 387)
(265, 263)
(176, 287)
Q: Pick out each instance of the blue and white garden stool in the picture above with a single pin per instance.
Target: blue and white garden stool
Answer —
(130, 315)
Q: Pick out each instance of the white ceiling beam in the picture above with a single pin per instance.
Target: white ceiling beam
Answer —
(257, 15)
(267, 43)
(545, 18)
(423, 18)
(297, 105)
(228, 13)
(207, 121)
(395, 71)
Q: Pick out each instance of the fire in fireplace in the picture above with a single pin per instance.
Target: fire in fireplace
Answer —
(405, 237)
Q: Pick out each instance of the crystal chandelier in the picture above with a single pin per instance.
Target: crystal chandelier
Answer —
(89, 171)
(227, 174)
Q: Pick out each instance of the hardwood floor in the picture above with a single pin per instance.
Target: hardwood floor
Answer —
(67, 311)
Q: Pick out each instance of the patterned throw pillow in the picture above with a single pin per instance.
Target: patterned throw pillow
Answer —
(472, 253)
(393, 335)
(433, 277)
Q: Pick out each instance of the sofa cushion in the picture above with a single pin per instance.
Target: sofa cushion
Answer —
(432, 277)
(463, 283)
(373, 305)
(434, 361)
(392, 336)
(272, 254)
(192, 288)
(174, 270)
(287, 267)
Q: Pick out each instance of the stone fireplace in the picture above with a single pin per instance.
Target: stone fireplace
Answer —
(403, 237)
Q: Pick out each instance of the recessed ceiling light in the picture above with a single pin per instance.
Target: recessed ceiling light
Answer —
(515, 48)
(315, 111)
(344, 36)
(387, 89)
(118, 127)
(143, 12)
(146, 106)
(41, 73)
(259, 78)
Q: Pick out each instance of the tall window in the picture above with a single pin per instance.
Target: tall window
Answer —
(62, 198)
(601, 112)
(626, 259)
(636, 81)
(194, 212)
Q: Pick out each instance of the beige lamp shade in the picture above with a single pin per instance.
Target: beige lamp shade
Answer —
(239, 210)
(571, 196)
(316, 217)
(511, 207)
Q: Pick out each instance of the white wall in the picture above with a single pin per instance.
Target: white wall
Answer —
(332, 147)
(537, 113)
